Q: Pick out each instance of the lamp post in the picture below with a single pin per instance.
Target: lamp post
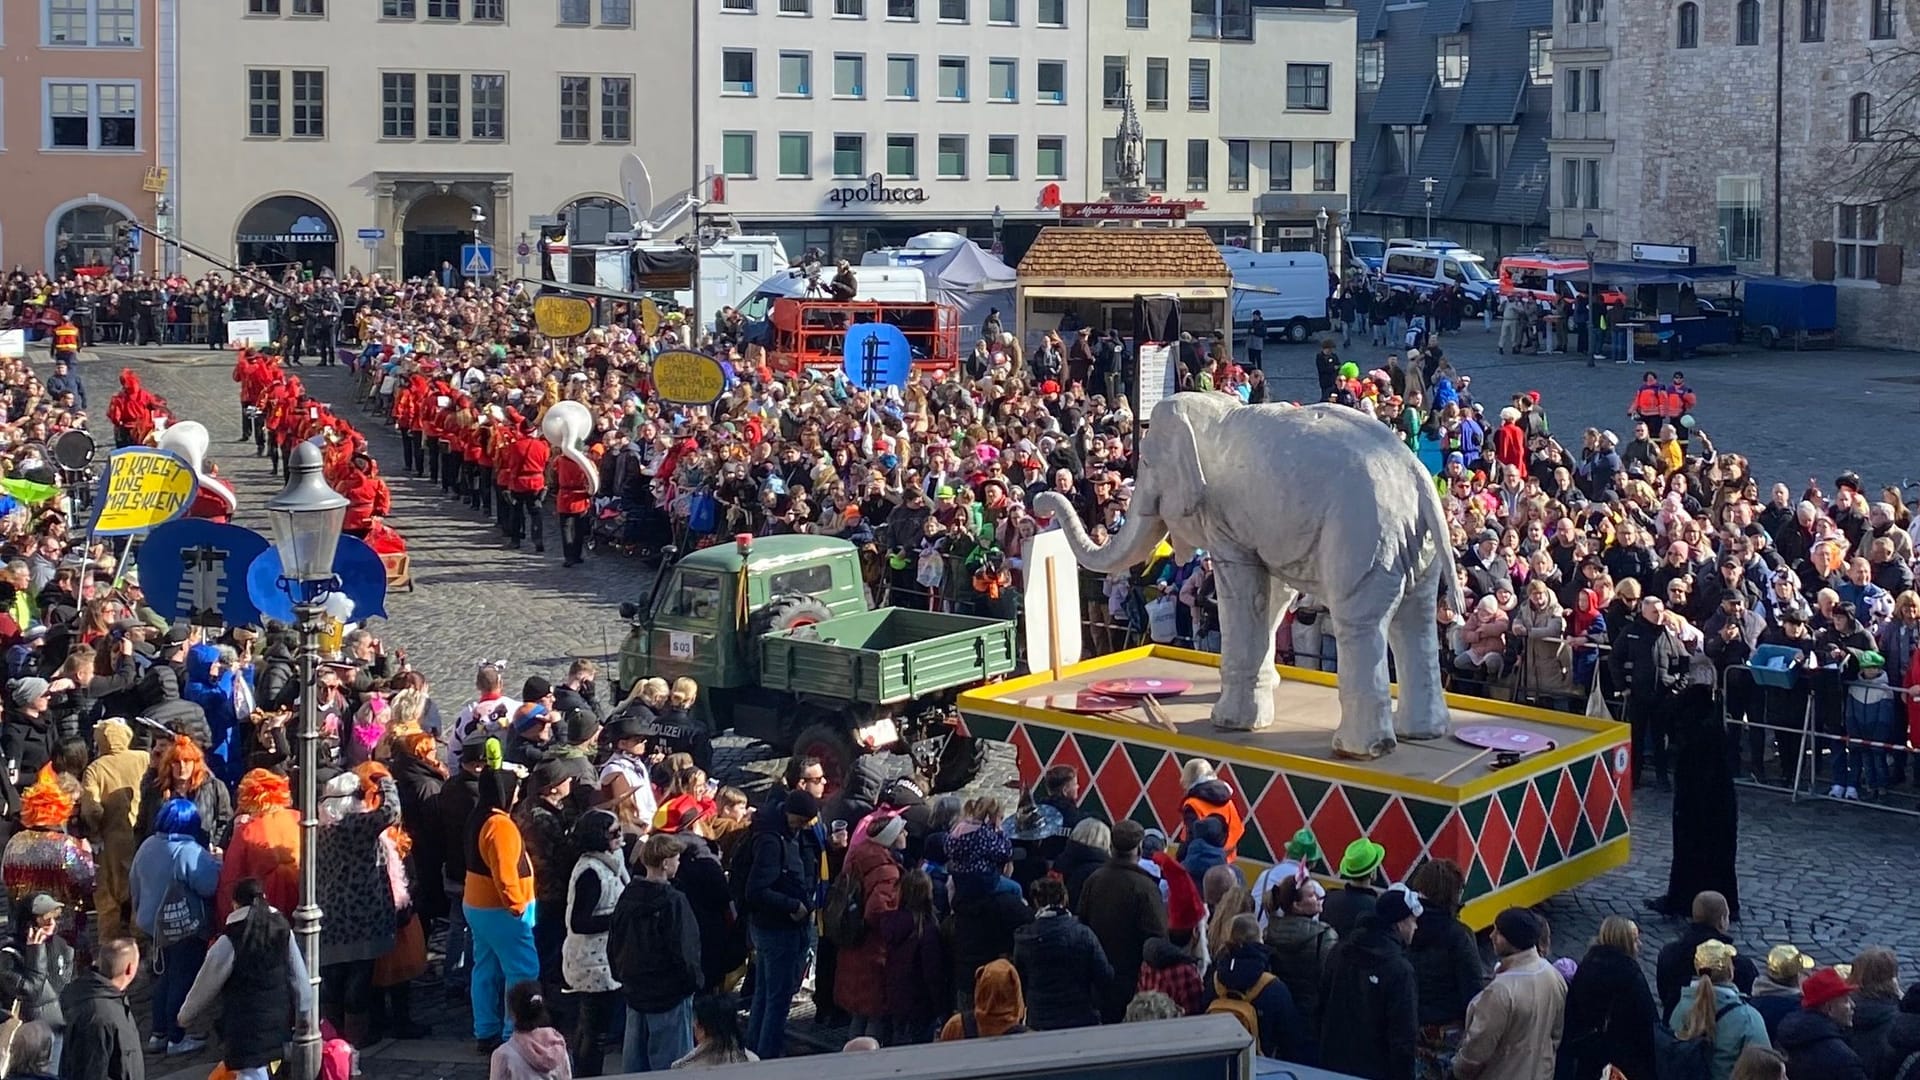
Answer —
(1428, 182)
(1590, 242)
(306, 518)
(1326, 246)
(999, 223)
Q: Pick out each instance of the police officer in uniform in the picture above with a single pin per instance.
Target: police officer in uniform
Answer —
(146, 309)
(323, 324)
(295, 317)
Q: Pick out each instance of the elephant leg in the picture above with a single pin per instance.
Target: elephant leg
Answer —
(1366, 700)
(1247, 623)
(1421, 712)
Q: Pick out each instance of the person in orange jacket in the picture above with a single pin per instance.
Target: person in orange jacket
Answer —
(499, 905)
(572, 501)
(1678, 402)
(1649, 402)
(527, 455)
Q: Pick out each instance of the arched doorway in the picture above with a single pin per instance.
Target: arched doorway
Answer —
(87, 234)
(591, 218)
(434, 230)
(288, 230)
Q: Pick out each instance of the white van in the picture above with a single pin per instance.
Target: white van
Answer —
(1424, 269)
(732, 268)
(898, 284)
(1287, 288)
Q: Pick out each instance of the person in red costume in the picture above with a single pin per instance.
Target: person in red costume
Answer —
(526, 475)
(498, 469)
(571, 504)
(384, 539)
(263, 378)
(367, 496)
(132, 411)
(244, 373)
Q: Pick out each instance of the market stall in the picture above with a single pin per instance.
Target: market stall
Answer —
(1076, 276)
(1665, 310)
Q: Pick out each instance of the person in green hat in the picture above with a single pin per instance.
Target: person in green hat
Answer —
(1872, 715)
(1360, 870)
(1303, 854)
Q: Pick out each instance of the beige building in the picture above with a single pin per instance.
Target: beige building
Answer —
(1665, 125)
(79, 80)
(1246, 107)
(390, 133)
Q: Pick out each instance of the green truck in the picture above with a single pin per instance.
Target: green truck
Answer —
(777, 632)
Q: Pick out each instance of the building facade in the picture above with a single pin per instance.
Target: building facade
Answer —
(428, 124)
(1453, 120)
(1249, 102)
(79, 86)
(1766, 166)
(848, 125)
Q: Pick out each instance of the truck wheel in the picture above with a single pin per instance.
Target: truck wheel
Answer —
(1469, 309)
(831, 744)
(1298, 331)
(1769, 338)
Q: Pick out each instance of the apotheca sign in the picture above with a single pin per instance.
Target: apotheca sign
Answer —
(875, 192)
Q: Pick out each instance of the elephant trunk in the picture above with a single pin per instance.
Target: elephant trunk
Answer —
(1135, 543)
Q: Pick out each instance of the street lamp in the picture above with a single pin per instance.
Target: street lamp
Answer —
(1590, 242)
(306, 518)
(1428, 182)
(1326, 248)
(999, 223)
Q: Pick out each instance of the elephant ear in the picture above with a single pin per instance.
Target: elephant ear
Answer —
(1178, 479)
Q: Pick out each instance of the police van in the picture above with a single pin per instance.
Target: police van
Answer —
(1425, 268)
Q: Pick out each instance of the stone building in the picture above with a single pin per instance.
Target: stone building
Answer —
(1741, 129)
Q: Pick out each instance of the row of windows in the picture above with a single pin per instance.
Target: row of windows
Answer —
(1746, 22)
(1580, 89)
(437, 105)
(796, 78)
(999, 12)
(1488, 148)
(1451, 60)
(566, 12)
(1325, 160)
(110, 24)
(900, 156)
(1307, 84)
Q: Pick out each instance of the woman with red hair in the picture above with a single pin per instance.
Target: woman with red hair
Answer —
(43, 856)
(180, 772)
(265, 844)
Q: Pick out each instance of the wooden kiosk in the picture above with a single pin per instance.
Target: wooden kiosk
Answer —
(1521, 833)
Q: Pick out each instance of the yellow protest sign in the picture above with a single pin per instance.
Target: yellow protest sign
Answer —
(142, 489)
(562, 316)
(688, 378)
(649, 316)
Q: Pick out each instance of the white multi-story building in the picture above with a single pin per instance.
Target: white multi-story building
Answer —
(312, 120)
(846, 125)
(1246, 107)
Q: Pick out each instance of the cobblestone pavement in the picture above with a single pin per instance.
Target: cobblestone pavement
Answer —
(1828, 877)
(1793, 414)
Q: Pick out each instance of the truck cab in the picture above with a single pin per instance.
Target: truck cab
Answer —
(693, 625)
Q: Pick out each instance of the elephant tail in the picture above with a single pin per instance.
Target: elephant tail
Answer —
(1433, 519)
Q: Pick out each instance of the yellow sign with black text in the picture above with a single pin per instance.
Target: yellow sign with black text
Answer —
(141, 490)
(688, 378)
(562, 316)
(649, 315)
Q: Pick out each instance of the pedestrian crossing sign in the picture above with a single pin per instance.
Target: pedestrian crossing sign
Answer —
(476, 260)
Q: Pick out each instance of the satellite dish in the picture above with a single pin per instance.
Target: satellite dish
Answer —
(636, 187)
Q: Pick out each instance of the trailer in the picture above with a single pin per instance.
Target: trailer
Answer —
(1521, 828)
(1778, 312)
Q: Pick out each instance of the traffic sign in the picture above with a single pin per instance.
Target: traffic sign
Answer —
(476, 260)
(373, 234)
(525, 249)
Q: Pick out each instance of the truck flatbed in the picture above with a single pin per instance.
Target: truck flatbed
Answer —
(1520, 833)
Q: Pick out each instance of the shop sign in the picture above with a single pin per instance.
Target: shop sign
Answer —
(875, 192)
(1105, 211)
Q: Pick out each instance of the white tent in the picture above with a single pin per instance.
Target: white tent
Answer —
(973, 281)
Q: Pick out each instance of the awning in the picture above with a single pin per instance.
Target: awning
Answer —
(1124, 292)
(1641, 273)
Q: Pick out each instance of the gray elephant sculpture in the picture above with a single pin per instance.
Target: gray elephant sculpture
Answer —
(1317, 498)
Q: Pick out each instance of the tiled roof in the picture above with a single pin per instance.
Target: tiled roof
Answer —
(1533, 14)
(1365, 172)
(1071, 251)
(1491, 95)
(1523, 182)
(1404, 98)
(1445, 16)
